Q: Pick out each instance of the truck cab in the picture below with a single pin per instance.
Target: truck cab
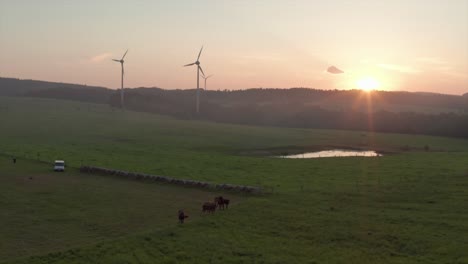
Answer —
(59, 165)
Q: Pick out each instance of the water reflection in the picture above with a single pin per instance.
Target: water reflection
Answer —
(333, 153)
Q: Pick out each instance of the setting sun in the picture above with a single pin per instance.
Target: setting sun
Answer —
(368, 84)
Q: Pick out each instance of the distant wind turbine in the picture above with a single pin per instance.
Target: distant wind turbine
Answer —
(122, 79)
(206, 77)
(197, 62)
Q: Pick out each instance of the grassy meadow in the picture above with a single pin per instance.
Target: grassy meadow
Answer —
(408, 206)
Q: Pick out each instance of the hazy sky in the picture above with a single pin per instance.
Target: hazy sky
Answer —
(414, 45)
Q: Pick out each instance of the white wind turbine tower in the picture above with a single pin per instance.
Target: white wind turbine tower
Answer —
(122, 79)
(206, 77)
(197, 62)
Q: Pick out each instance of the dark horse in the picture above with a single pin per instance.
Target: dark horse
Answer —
(221, 202)
(182, 216)
(209, 207)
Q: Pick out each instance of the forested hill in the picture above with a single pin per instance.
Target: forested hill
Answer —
(399, 112)
(327, 99)
(396, 112)
(33, 88)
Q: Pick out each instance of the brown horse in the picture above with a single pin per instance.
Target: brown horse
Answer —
(182, 216)
(209, 207)
(221, 202)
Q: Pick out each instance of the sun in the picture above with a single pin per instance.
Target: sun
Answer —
(368, 84)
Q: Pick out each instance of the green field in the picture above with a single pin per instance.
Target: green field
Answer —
(405, 207)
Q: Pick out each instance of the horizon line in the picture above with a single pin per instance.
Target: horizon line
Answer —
(240, 89)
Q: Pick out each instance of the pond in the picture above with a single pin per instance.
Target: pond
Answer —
(333, 153)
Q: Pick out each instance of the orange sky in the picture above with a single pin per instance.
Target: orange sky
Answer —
(404, 45)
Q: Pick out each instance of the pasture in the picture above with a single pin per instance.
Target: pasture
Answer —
(45, 211)
(404, 207)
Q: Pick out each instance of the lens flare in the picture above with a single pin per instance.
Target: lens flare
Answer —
(368, 84)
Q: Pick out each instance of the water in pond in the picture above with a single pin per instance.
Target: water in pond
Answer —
(333, 153)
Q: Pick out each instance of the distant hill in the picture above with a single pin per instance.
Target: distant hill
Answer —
(33, 88)
(395, 112)
(340, 100)
(90, 94)
(336, 100)
(383, 111)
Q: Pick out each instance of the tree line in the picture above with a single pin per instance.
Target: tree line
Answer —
(383, 111)
(276, 108)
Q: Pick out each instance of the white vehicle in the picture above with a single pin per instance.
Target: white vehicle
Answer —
(59, 165)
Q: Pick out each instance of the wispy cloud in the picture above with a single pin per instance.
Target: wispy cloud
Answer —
(100, 57)
(437, 65)
(260, 57)
(399, 68)
(431, 60)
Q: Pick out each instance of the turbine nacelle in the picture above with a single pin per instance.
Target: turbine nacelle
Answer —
(197, 62)
(206, 77)
(122, 59)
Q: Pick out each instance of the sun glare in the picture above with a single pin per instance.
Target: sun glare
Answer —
(367, 84)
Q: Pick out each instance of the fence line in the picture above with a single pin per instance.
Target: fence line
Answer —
(149, 177)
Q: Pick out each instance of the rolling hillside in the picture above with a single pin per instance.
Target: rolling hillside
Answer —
(33, 88)
(402, 207)
(394, 112)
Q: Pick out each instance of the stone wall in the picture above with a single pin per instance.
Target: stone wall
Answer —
(158, 178)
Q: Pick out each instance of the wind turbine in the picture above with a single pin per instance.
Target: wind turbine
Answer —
(206, 77)
(122, 79)
(199, 68)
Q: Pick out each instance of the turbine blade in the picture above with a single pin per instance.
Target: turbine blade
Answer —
(125, 54)
(199, 53)
(116, 60)
(189, 64)
(199, 67)
(209, 76)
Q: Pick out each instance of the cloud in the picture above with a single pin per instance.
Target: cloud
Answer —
(399, 68)
(334, 70)
(101, 57)
(271, 57)
(440, 66)
(431, 60)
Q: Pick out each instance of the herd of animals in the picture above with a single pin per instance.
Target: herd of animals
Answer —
(208, 207)
(219, 202)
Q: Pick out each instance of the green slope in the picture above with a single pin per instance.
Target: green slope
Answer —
(406, 207)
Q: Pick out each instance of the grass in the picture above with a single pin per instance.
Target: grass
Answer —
(43, 211)
(407, 207)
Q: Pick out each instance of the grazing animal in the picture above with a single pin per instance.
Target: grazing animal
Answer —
(226, 202)
(182, 216)
(221, 202)
(209, 207)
